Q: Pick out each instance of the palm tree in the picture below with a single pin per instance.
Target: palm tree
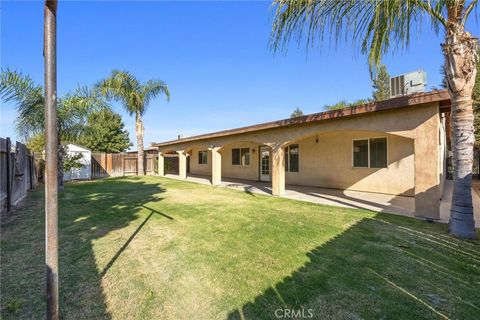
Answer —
(29, 99)
(124, 87)
(374, 25)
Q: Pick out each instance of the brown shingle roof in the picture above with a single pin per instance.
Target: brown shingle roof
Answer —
(440, 96)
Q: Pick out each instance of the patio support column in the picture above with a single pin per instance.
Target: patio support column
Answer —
(161, 165)
(182, 164)
(215, 160)
(427, 179)
(278, 170)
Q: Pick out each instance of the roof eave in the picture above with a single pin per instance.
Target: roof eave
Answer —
(440, 96)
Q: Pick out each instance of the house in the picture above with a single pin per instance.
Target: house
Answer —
(83, 173)
(396, 147)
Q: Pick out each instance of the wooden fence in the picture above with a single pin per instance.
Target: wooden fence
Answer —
(121, 164)
(17, 173)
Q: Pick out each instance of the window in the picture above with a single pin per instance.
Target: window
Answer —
(291, 158)
(202, 157)
(378, 153)
(370, 153)
(245, 156)
(360, 153)
(236, 157)
(241, 156)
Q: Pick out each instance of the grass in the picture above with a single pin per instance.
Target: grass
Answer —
(152, 248)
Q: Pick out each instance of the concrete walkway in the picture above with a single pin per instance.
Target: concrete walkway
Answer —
(377, 202)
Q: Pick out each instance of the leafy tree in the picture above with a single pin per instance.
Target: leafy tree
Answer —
(339, 105)
(135, 97)
(297, 113)
(105, 132)
(72, 161)
(375, 25)
(345, 104)
(36, 143)
(381, 84)
(28, 97)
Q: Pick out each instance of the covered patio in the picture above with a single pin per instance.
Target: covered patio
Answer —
(359, 157)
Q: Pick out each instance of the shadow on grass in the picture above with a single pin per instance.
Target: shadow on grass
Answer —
(88, 211)
(385, 267)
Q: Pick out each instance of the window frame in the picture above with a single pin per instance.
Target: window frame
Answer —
(386, 152)
(200, 157)
(368, 151)
(288, 162)
(241, 158)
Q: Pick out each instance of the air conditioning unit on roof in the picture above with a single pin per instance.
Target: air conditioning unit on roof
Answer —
(408, 83)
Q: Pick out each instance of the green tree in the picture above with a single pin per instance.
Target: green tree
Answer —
(339, 105)
(381, 84)
(36, 143)
(104, 132)
(345, 104)
(375, 25)
(72, 161)
(135, 97)
(297, 113)
(28, 97)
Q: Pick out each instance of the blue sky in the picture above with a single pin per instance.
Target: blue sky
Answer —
(213, 55)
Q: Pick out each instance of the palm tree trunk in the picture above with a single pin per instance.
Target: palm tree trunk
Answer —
(139, 130)
(460, 62)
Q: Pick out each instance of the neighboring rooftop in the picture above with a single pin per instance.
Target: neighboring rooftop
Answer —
(440, 96)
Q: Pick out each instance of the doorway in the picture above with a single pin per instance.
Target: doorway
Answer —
(264, 163)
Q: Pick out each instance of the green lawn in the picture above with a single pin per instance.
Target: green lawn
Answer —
(152, 248)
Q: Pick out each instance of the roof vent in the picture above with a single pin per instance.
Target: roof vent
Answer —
(408, 83)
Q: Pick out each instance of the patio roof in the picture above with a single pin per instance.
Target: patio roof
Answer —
(440, 96)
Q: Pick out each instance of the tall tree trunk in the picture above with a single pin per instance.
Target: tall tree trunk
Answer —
(460, 50)
(139, 131)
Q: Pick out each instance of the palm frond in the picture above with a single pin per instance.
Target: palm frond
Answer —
(124, 87)
(74, 109)
(374, 25)
(468, 10)
(150, 90)
(28, 98)
(121, 86)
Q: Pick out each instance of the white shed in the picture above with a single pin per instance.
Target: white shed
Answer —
(83, 173)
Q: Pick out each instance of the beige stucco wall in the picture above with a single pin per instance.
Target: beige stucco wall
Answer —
(328, 163)
(195, 167)
(249, 172)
